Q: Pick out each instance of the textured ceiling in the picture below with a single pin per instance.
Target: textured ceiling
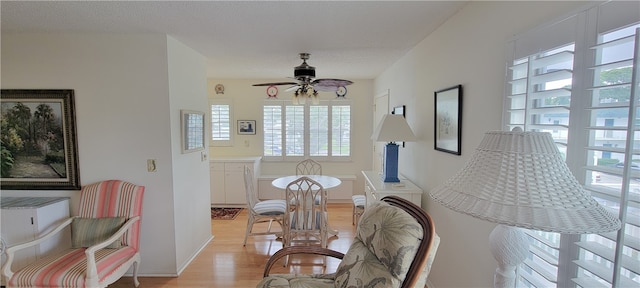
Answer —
(254, 39)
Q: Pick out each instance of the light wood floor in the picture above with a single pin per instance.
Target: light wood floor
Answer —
(224, 262)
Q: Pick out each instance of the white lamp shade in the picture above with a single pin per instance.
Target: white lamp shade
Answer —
(393, 128)
(520, 179)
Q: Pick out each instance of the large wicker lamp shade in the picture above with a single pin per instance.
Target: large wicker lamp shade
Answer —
(519, 179)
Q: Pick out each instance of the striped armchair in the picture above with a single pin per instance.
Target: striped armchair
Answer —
(105, 236)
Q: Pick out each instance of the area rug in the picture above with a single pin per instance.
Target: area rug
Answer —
(225, 213)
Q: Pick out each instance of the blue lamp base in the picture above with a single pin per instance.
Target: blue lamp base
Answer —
(390, 170)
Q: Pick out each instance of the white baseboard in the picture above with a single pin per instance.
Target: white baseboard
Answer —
(186, 263)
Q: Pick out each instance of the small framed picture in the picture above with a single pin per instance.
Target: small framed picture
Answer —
(448, 119)
(192, 130)
(247, 127)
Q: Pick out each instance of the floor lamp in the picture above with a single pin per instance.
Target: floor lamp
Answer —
(519, 179)
(392, 128)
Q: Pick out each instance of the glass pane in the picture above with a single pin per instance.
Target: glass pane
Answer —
(294, 143)
(614, 94)
(319, 130)
(612, 77)
(220, 122)
(272, 130)
(341, 130)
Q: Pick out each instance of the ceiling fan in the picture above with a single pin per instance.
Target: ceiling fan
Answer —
(305, 83)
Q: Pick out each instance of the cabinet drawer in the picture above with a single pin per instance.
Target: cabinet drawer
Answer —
(236, 166)
(216, 166)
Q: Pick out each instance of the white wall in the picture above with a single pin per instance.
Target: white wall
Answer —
(124, 114)
(247, 105)
(191, 196)
(468, 49)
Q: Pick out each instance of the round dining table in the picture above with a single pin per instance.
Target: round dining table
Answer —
(327, 182)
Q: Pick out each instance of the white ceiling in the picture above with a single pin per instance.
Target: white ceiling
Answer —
(254, 39)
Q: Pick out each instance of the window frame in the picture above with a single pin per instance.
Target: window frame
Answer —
(307, 115)
(221, 143)
(589, 25)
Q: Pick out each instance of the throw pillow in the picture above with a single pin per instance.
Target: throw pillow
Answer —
(86, 232)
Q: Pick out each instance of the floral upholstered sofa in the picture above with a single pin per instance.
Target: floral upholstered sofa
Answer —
(394, 246)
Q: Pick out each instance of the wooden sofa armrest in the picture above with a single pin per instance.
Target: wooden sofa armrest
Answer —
(317, 250)
(11, 251)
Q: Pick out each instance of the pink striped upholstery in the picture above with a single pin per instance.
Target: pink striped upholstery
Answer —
(112, 198)
(68, 270)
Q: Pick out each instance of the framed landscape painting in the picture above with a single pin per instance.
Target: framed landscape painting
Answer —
(39, 147)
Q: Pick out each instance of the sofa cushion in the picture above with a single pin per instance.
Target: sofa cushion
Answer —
(86, 232)
(297, 281)
(385, 244)
(68, 270)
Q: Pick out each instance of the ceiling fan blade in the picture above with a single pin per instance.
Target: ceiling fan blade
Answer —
(276, 84)
(329, 84)
(292, 88)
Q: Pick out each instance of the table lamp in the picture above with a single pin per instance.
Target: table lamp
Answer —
(392, 128)
(519, 179)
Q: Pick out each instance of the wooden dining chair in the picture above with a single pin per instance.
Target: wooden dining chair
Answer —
(261, 211)
(359, 202)
(308, 167)
(305, 220)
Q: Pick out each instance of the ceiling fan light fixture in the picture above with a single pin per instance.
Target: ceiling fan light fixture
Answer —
(306, 85)
(306, 91)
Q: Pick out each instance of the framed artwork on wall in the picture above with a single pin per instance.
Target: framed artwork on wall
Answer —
(247, 127)
(39, 146)
(192, 123)
(400, 110)
(448, 120)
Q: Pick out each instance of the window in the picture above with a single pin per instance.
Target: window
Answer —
(221, 127)
(574, 79)
(294, 132)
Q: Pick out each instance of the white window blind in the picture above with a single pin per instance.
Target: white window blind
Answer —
(579, 85)
(341, 130)
(272, 128)
(294, 130)
(540, 91)
(221, 123)
(320, 131)
(613, 259)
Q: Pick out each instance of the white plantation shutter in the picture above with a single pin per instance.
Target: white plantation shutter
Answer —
(272, 130)
(613, 259)
(295, 132)
(220, 123)
(319, 130)
(540, 93)
(341, 130)
(578, 86)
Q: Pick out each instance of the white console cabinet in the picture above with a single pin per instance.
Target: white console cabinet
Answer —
(27, 218)
(375, 188)
(227, 179)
